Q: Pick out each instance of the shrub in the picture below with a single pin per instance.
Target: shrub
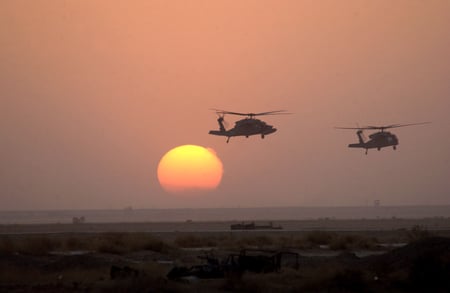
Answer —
(352, 242)
(320, 237)
(110, 243)
(75, 243)
(154, 244)
(256, 241)
(192, 241)
(37, 245)
(350, 280)
(417, 232)
(118, 243)
(6, 246)
(285, 241)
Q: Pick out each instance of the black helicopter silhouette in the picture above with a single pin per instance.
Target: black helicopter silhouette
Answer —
(247, 126)
(378, 139)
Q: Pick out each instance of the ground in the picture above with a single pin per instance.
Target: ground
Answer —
(333, 256)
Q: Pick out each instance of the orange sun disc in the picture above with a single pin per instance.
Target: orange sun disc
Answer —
(190, 167)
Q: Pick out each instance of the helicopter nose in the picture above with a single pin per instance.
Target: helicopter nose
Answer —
(271, 130)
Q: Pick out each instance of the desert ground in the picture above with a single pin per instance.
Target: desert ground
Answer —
(322, 255)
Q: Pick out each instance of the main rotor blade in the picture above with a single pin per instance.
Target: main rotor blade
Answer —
(277, 112)
(403, 125)
(359, 128)
(394, 125)
(382, 127)
(229, 112)
(281, 112)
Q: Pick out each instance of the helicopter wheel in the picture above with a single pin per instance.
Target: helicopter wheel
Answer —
(378, 149)
(262, 136)
(394, 147)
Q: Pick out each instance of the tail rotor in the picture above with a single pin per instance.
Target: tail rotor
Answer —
(221, 120)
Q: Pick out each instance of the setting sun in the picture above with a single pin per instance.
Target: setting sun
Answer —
(189, 167)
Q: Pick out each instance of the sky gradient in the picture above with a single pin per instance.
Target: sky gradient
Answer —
(94, 93)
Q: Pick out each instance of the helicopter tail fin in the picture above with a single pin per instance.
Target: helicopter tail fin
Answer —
(221, 125)
(360, 136)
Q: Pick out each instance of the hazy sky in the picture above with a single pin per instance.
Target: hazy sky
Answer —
(94, 93)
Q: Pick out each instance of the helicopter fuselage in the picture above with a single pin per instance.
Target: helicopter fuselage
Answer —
(378, 140)
(245, 127)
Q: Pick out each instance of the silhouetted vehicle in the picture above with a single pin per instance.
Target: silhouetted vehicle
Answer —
(125, 272)
(378, 139)
(247, 126)
(248, 260)
(261, 260)
(212, 269)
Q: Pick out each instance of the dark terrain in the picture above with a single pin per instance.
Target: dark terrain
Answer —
(413, 260)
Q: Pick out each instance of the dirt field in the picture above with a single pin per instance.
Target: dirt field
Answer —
(394, 255)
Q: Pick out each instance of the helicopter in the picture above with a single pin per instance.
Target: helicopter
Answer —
(247, 126)
(378, 139)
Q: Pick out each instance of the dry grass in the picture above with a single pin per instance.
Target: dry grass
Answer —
(329, 278)
(6, 246)
(32, 244)
(417, 232)
(116, 243)
(316, 238)
(347, 242)
(119, 243)
(24, 263)
(260, 241)
(192, 241)
(310, 240)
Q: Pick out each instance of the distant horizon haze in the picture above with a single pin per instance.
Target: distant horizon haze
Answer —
(188, 215)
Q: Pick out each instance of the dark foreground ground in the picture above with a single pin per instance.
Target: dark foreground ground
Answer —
(317, 258)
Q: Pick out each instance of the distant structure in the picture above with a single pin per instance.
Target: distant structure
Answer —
(253, 226)
(80, 220)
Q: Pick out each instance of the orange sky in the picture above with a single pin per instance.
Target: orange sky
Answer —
(94, 93)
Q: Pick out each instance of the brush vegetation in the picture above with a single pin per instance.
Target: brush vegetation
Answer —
(115, 243)
(42, 262)
(121, 243)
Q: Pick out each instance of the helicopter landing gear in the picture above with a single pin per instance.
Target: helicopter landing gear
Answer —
(228, 139)
(394, 147)
(262, 136)
(367, 151)
(378, 149)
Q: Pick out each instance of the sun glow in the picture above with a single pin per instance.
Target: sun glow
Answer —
(188, 168)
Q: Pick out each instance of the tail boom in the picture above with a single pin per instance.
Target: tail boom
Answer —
(218, 132)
